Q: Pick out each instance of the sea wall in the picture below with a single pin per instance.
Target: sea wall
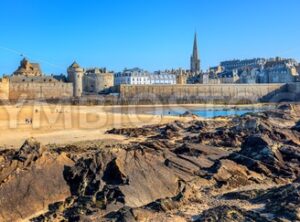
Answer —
(292, 91)
(198, 93)
(38, 91)
(4, 89)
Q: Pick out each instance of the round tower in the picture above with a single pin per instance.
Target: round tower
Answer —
(75, 75)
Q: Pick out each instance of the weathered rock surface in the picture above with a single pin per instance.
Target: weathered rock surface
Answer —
(230, 214)
(30, 180)
(242, 169)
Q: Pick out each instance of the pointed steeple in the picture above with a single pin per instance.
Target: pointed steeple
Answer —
(195, 60)
(195, 47)
(74, 65)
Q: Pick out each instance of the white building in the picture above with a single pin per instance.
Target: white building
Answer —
(162, 78)
(133, 76)
(138, 76)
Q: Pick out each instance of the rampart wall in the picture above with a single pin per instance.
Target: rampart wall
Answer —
(37, 91)
(4, 89)
(200, 92)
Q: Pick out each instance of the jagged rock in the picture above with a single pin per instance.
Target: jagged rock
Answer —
(33, 179)
(205, 166)
(229, 174)
(145, 131)
(261, 154)
(297, 126)
(244, 195)
(188, 114)
(230, 214)
(282, 202)
(29, 152)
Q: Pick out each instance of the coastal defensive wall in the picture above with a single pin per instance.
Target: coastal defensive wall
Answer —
(4, 89)
(37, 91)
(207, 93)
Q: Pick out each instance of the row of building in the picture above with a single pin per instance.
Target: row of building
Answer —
(247, 71)
(252, 71)
(277, 70)
(30, 82)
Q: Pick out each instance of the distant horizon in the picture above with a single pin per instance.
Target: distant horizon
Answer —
(152, 35)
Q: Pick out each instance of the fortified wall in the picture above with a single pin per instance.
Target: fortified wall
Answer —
(292, 91)
(4, 89)
(199, 93)
(37, 91)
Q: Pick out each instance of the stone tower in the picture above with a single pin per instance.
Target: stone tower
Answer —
(195, 59)
(181, 78)
(75, 75)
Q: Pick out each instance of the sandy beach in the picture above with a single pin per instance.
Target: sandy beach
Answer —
(61, 124)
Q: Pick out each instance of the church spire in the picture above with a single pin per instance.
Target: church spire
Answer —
(195, 47)
(195, 60)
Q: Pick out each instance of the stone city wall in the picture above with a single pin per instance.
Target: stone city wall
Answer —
(95, 83)
(292, 92)
(31, 91)
(4, 89)
(198, 93)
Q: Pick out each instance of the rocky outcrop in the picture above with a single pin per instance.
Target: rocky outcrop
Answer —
(280, 203)
(240, 169)
(230, 214)
(31, 180)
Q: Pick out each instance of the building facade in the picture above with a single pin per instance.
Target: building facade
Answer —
(250, 76)
(229, 77)
(240, 64)
(279, 70)
(97, 80)
(28, 69)
(135, 76)
(28, 82)
(209, 78)
(138, 76)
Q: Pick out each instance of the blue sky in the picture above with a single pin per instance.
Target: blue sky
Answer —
(151, 34)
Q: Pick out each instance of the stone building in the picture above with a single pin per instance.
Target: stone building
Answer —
(75, 76)
(28, 69)
(230, 77)
(97, 80)
(195, 59)
(216, 69)
(280, 70)
(210, 78)
(250, 76)
(181, 79)
(28, 82)
(282, 74)
(241, 64)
